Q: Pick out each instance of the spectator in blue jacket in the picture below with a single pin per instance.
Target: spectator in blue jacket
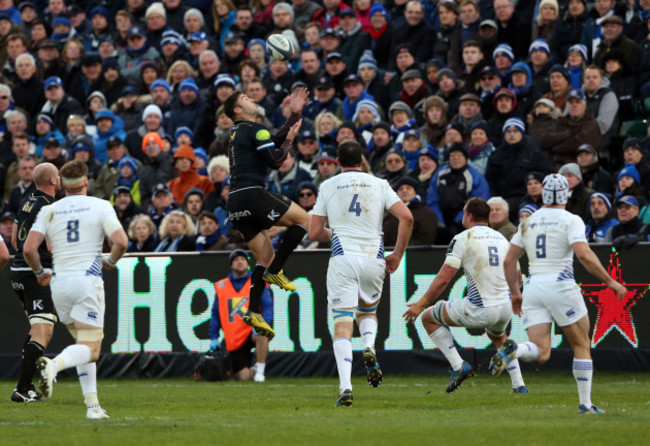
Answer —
(186, 110)
(450, 188)
(601, 222)
(286, 179)
(108, 125)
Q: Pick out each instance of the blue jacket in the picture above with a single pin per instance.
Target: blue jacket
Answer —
(476, 186)
(238, 283)
(600, 233)
(99, 141)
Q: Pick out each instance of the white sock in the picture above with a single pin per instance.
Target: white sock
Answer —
(583, 370)
(368, 330)
(259, 367)
(445, 342)
(343, 355)
(527, 351)
(72, 356)
(515, 374)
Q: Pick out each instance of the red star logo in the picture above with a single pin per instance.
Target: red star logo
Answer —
(612, 312)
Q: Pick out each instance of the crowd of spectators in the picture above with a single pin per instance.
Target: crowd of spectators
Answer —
(451, 99)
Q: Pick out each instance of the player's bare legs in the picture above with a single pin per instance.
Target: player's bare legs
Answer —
(297, 221)
(583, 369)
(366, 316)
(262, 249)
(342, 344)
(82, 355)
(442, 338)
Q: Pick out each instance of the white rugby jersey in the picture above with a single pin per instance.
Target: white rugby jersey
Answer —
(76, 226)
(354, 203)
(481, 251)
(547, 236)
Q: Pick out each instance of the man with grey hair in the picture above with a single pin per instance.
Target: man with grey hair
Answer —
(414, 31)
(498, 220)
(28, 89)
(59, 104)
(579, 194)
(512, 30)
(209, 65)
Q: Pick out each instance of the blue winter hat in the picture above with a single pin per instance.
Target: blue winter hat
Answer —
(80, 146)
(200, 152)
(128, 161)
(503, 50)
(256, 40)
(53, 81)
(189, 84)
(104, 113)
(184, 130)
(367, 60)
(369, 104)
(560, 69)
(522, 66)
(171, 39)
(224, 79)
(431, 152)
(607, 199)
(480, 125)
(45, 117)
(530, 208)
(198, 36)
(101, 11)
(61, 20)
(160, 83)
(629, 170)
(377, 8)
(579, 47)
(539, 45)
(515, 123)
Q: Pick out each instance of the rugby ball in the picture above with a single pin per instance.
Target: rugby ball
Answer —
(279, 47)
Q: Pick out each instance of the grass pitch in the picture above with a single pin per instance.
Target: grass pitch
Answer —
(406, 410)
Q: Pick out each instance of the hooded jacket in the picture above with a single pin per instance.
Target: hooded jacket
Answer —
(187, 180)
(100, 140)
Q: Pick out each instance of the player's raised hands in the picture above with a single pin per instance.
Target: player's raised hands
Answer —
(299, 98)
(293, 131)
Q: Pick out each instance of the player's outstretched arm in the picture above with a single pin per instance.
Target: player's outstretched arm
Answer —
(4, 253)
(404, 230)
(33, 259)
(591, 263)
(512, 276)
(119, 243)
(317, 230)
(438, 285)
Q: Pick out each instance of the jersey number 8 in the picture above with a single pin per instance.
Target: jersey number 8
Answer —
(73, 231)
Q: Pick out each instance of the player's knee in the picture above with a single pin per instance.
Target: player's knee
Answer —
(361, 312)
(93, 339)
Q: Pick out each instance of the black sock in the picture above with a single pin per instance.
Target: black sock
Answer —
(31, 352)
(291, 239)
(257, 288)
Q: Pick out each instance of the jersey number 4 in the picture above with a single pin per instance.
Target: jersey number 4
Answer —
(73, 231)
(355, 206)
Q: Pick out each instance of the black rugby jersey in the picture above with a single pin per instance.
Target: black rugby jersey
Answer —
(252, 149)
(29, 208)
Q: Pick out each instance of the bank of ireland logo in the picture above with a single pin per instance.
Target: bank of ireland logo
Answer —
(612, 312)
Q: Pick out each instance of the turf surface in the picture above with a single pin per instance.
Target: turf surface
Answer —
(406, 410)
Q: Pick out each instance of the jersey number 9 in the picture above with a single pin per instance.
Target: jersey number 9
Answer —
(540, 245)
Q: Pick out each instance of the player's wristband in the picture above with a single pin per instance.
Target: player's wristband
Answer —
(110, 261)
(40, 272)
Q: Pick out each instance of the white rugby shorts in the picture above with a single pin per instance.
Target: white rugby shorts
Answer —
(495, 319)
(354, 280)
(79, 298)
(545, 302)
